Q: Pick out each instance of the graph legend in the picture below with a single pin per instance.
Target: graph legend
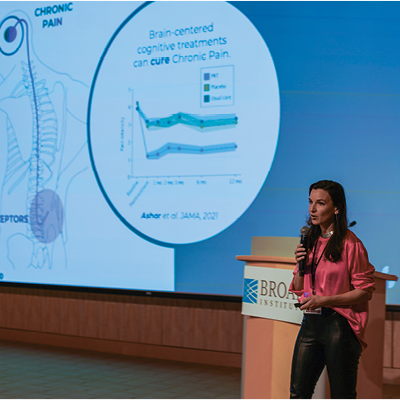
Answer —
(217, 84)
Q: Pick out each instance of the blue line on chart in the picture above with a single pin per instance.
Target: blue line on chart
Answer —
(190, 149)
(188, 119)
(144, 139)
(202, 121)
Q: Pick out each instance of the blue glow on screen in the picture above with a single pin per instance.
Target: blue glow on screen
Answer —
(142, 145)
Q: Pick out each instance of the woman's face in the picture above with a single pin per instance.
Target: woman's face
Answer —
(321, 209)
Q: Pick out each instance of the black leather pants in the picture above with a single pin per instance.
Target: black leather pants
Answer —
(325, 339)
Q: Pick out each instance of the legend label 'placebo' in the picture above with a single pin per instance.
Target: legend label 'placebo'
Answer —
(217, 86)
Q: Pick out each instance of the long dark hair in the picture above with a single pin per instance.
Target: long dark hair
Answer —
(334, 247)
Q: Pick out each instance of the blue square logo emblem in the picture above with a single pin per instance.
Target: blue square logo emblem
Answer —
(250, 291)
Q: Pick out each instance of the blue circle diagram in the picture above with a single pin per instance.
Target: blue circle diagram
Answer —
(183, 119)
(11, 35)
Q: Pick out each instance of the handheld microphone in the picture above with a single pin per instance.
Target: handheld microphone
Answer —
(352, 224)
(303, 241)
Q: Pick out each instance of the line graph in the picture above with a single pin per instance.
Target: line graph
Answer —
(201, 121)
(182, 150)
(189, 149)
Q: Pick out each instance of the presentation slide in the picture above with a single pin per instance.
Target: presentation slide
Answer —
(143, 144)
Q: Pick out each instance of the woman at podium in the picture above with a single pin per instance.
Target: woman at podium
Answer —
(333, 280)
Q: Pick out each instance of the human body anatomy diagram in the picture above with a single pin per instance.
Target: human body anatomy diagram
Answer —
(43, 144)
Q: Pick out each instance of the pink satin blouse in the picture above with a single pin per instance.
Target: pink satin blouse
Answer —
(353, 271)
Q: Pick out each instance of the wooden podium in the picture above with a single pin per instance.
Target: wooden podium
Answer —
(268, 344)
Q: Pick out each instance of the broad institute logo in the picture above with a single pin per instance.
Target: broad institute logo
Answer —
(250, 291)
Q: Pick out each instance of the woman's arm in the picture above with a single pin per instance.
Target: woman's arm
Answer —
(355, 296)
(298, 281)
